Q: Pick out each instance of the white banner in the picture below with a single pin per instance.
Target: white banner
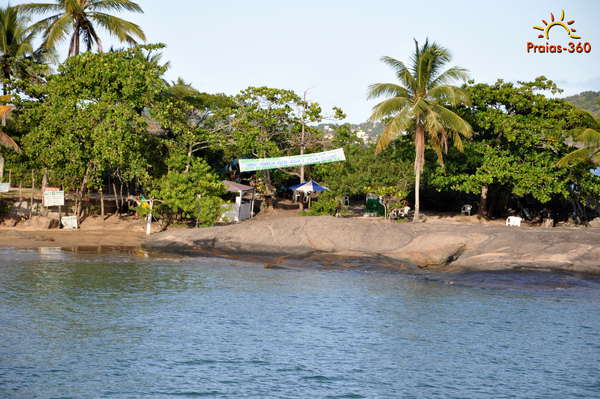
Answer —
(247, 165)
(4, 187)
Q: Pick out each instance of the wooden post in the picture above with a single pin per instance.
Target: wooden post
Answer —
(32, 188)
(149, 219)
(102, 203)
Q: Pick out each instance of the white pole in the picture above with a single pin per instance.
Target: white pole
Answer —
(149, 220)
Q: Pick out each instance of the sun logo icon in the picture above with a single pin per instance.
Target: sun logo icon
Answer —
(553, 23)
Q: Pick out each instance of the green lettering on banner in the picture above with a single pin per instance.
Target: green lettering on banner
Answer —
(247, 165)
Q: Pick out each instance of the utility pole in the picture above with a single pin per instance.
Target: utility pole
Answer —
(302, 137)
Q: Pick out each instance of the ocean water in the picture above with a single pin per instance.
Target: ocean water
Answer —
(123, 325)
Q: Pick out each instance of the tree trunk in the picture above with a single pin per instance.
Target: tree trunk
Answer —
(32, 189)
(45, 209)
(419, 161)
(1, 167)
(483, 212)
(78, 208)
(114, 186)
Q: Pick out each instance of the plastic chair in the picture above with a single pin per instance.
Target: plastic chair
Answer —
(466, 210)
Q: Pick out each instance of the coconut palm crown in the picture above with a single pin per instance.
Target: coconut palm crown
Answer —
(81, 18)
(589, 142)
(15, 43)
(419, 104)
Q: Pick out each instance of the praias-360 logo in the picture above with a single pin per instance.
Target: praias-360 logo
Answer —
(555, 25)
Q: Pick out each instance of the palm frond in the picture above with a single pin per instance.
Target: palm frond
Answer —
(449, 75)
(581, 155)
(115, 5)
(452, 121)
(389, 107)
(7, 141)
(119, 27)
(57, 31)
(451, 95)
(400, 123)
(386, 90)
(402, 72)
(39, 8)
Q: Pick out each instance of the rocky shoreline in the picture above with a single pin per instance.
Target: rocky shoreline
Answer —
(443, 247)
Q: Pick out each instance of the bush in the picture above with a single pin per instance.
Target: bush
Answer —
(326, 204)
(193, 194)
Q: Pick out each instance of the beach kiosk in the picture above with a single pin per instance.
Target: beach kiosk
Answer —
(243, 207)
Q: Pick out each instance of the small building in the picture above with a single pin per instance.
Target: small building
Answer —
(243, 207)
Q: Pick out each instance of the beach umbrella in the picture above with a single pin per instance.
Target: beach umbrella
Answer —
(310, 186)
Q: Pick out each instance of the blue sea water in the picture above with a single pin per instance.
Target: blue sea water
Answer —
(122, 325)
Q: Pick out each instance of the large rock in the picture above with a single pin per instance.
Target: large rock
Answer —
(41, 223)
(445, 247)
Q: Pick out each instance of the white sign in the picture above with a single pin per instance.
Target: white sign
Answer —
(54, 198)
(4, 187)
(69, 222)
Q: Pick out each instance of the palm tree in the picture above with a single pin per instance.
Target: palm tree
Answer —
(589, 141)
(81, 17)
(15, 45)
(419, 104)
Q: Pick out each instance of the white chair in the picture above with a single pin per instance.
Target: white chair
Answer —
(514, 221)
(466, 210)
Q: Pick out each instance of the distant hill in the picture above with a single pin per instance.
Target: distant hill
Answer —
(587, 100)
(367, 131)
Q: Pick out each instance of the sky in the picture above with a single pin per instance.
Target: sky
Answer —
(333, 48)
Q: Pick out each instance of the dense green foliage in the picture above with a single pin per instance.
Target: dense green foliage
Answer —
(189, 192)
(88, 119)
(520, 135)
(111, 123)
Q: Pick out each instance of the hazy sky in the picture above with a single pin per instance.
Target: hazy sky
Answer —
(333, 47)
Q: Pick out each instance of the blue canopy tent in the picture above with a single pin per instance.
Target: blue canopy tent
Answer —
(309, 187)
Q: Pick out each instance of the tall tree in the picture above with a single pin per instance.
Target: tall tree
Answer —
(419, 104)
(80, 18)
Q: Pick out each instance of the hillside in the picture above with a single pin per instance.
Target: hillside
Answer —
(587, 100)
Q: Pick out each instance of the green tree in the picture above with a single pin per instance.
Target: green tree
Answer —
(81, 18)
(420, 104)
(194, 120)
(520, 136)
(88, 120)
(363, 168)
